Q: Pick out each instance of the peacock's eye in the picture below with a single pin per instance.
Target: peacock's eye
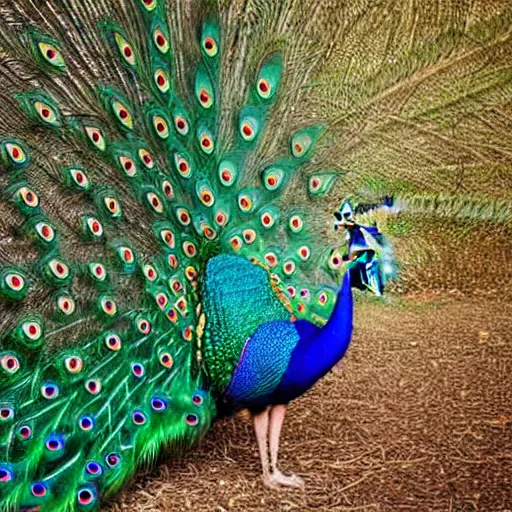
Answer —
(335, 261)
(74, 364)
(197, 400)
(166, 360)
(221, 218)
(158, 404)
(123, 114)
(189, 249)
(289, 268)
(244, 203)
(150, 273)
(98, 271)
(16, 153)
(304, 253)
(112, 460)
(155, 202)
(38, 490)
(24, 432)
(323, 297)
(144, 326)
(181, 304)
(205, 98)
(108, 306)
(138, 370)
(54, 443)
(305, 293)
(249, 129)
(86, 496)
(96, 137)
(49, 391)
(93, 468)
(172, 260)
(249, 236)
(167, 189)
(192, 420)
(46, 113)
(14, 281)
(227, 173)
(181, 125)
(94, 226)
(79, 178)
(6, 475)
(168, 237)
(209, 232)
(161, 80)
(59, 269)
(146, 158)
(113, 342)
(235, 242)
(183, 216)
(182, 166)
(161, 127)
(126, 254)
(296, 224)
(139, 418)
(10, 363)
(128, 166)
(172, 315)
(162, 300)
(161, 41)
(32, 330)
(125, 49)
(66, 305)
(267, 220)
(187, 333)
(206, 142)
(45, 231)
(6, 413)
(93, 386)
(29, 197)
(271, 259)
(264, 89)
(191, 273)
(112, 206)
(206, 196)
(51, 55)
(210, 46)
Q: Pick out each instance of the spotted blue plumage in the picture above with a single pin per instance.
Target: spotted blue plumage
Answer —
(264, 360)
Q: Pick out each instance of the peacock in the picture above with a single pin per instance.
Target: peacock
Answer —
(165, 253)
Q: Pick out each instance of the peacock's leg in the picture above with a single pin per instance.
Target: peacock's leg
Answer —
(277, 414)
(261, 422)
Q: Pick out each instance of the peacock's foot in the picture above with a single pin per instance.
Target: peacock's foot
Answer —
(276, 479)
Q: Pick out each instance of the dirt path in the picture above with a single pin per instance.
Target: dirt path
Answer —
(418, 417)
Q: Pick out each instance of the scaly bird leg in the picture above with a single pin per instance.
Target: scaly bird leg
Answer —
(277, 414)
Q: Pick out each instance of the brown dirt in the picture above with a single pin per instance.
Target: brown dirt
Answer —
(417, 417)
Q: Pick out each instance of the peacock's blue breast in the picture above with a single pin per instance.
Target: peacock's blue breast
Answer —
(264, 360)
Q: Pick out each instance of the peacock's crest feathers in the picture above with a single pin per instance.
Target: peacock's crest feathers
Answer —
(125, 170)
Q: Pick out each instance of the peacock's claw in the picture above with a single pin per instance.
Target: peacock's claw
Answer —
(276, 479)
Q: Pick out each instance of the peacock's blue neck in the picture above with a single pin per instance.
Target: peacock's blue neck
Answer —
(319, 349)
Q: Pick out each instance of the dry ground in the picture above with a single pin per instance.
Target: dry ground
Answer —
(418, 417)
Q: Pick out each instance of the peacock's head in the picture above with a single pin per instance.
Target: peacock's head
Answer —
(344, 216)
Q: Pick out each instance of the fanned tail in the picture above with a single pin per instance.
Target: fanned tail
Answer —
(127, 164)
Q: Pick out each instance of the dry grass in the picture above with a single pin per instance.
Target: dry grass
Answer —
(418, 417)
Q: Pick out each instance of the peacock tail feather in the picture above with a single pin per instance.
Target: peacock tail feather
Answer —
(135, 158)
